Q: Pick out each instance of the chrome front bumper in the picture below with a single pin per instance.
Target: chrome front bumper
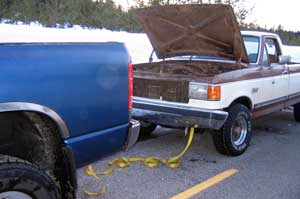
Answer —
(133, 133)
(176, 114)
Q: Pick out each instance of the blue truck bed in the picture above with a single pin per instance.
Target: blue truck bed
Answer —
(84, 84)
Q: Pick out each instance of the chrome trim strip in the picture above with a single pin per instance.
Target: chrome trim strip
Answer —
(173, 107)
(256, 106)
(177, 120)
(23, 106)
(294, 95)
(281, 99)
(176, 105)
(200, 83)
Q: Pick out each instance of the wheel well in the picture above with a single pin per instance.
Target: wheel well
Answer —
(243, 100)
(23, 135)
(33, 137)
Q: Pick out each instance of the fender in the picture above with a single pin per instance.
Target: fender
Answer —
(243, 97)
(24, 106)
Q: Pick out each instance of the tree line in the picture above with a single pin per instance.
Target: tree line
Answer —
(61, 13)
(288, 37)
(106, 14)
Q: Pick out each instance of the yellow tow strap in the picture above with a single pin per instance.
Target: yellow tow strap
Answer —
(124, 162)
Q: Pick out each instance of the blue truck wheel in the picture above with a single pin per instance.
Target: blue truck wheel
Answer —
(20, 179)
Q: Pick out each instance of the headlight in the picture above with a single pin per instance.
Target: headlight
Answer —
(204, 91)
(198, 91)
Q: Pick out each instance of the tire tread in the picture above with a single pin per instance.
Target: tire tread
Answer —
(9, 162)
(219, 137)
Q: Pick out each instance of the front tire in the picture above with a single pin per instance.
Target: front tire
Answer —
(20, 179)
(297, 112)
(147, 128)
(234, 137)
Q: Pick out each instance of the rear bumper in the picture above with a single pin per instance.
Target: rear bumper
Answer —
(176, 114)
(133, 133)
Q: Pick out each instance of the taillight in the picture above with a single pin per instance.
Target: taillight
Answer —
(130, 86)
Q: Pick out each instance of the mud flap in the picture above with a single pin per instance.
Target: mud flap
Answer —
(69, 180)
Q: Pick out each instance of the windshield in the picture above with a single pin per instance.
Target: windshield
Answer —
(252, 47)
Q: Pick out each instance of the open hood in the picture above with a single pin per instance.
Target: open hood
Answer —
(198, 29)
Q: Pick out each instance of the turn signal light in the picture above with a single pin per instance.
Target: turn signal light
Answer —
(214, 92)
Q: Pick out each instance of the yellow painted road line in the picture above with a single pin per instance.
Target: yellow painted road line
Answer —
(204, 185)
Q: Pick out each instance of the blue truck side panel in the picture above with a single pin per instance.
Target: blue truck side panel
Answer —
(89, 147)
(85, 83)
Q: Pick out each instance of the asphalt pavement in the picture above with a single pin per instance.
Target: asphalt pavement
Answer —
(270, 168)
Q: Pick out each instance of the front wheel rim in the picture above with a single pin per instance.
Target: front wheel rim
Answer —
(239, 130)
(14, 195)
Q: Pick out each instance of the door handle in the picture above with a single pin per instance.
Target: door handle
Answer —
(273, 82)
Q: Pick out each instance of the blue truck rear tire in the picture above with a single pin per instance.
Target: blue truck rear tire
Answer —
(21, 179)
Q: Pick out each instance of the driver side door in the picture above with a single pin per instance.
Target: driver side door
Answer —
(277, 72)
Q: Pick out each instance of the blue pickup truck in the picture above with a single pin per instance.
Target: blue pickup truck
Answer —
(62, 105)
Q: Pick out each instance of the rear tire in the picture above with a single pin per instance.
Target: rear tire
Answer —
(234, 137)
(147, 128)
(20, 179)
(297, 112)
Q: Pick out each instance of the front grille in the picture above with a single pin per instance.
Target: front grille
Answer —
(173, 91)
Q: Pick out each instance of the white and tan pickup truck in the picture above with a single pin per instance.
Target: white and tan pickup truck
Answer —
(211, 74)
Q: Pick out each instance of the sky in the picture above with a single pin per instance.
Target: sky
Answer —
(269, 13)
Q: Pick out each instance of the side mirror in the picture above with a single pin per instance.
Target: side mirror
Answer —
(285, 59)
